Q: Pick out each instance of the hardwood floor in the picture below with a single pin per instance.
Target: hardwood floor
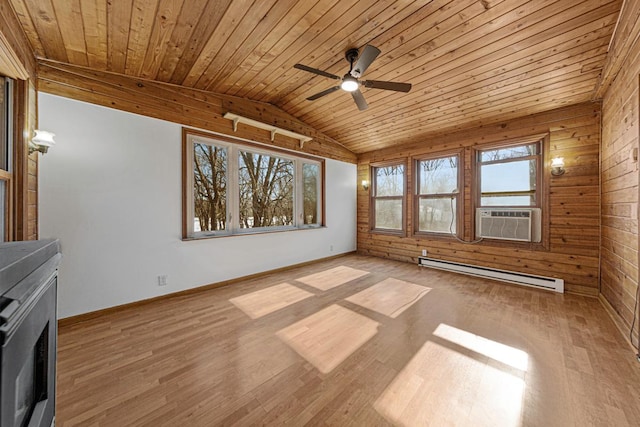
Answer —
(391, 344)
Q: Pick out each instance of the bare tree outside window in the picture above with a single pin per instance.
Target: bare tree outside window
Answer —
(242, 189)
(437, 194)
(210, 187)
(310, 188)
(266, 185)
(388, 197)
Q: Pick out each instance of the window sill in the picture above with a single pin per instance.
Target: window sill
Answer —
(250, 233)
(400, 233)
(433, 235)
(531, 246)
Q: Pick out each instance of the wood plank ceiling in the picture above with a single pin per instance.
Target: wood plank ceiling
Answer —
(471, 62)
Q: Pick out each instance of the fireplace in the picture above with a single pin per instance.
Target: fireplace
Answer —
(28, 332)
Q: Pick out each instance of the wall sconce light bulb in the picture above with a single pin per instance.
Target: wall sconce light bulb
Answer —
(365, 184)
(557, 166)
(41, 141)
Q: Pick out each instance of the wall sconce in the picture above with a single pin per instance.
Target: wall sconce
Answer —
(557, 166)
(365, 185)
(41, 141)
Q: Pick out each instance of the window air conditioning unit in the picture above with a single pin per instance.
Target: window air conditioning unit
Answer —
(519, 224)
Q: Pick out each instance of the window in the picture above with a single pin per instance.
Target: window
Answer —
(234, 189)
(388, 197)
(6, 119)
(437, 194)
(311, 192)
(508, 176)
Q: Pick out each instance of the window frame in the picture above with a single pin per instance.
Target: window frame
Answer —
(373, 197)
(234, 146)
(542, 188)
(459, 196)
(6, 151)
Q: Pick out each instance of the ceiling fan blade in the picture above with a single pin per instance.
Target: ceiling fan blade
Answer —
(323, 93)
(360, 101)
(368, 55)
(316, 71)
(377, 84)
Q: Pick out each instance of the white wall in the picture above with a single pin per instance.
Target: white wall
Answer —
(110, 191)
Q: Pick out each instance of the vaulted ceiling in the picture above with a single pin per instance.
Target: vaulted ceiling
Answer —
(471, 62)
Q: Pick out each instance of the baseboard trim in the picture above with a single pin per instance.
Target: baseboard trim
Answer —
(617, 320)
(80, 318)
(581, 290)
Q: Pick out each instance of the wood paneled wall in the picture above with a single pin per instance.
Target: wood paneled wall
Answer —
(18, 62)
(620, 115)
(572, 252)
(186, 106)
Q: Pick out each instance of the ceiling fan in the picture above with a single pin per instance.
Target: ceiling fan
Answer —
(350, 83)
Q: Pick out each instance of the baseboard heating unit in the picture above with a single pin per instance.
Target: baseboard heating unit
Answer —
(540, 282)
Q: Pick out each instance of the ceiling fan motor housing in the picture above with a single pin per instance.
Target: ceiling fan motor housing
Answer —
(351, 55)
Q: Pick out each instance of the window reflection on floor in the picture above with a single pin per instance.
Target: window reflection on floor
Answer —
(265, 301)
(390, 297)
(329, 279)
(458, 378)
(325, 339)
(502, 353)
(456, 375)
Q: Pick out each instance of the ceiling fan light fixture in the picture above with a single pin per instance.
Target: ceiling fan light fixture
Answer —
(358, 64)
(349, 84)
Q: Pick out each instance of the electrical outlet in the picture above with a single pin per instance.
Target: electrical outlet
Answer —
(331, 248)
(162, 280)
(424, 252)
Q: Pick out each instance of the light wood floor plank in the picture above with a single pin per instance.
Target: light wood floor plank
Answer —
(468, 352)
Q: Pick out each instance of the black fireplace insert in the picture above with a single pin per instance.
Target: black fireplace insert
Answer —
(28, 332)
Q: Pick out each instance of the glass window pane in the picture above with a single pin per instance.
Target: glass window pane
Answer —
(209, 187)
(437, 215)
(310, 180)
(510, 176)
(389, 181)
(266, 187)
(509, 153)
(388, 214)
(438, 175)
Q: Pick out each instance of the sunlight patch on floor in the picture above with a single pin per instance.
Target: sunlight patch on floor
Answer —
(390, 297)
(332, 278)
(456, 385)
(260, 303)
(502, 353)
(327, 338)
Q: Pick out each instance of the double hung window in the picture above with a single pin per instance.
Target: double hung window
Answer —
(437, 194)
(388, 197)
(508, 176)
